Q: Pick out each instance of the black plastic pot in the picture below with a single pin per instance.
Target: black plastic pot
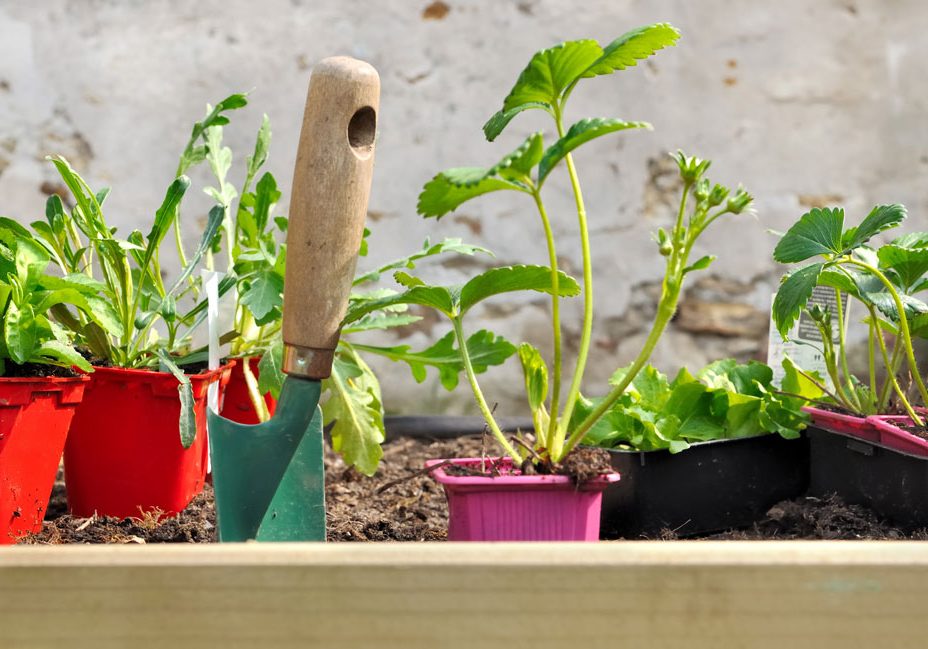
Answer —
(710, 487)
(892, 483)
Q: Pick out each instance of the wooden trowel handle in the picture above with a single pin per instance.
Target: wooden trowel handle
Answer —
(331, 184)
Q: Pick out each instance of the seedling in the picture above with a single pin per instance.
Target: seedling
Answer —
(561, 422)
(29, 296)
(884, 281)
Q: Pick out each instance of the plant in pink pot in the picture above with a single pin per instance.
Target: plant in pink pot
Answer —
(869, 440)
(539, 492)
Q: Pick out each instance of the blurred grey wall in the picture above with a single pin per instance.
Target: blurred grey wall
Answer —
(803, 102)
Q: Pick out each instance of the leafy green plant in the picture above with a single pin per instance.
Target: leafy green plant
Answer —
(352, 402)
(724, 400)
(29, 296)
(254, 260)
(151, 322)
(884, 281)
(546, 84)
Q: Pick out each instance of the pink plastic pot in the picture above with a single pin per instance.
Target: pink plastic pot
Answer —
(890, 434)
(34, 417)
(836, 422)
(515, 507)
(124, 455)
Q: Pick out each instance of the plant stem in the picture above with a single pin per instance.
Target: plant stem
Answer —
(254, 394)
(903, 328)
(665, 312)
(478, 393)
(871, 352)
(842, 336)
(893, 368)
(667, 306)
(587, 332)
(892, 378)
(553, 435)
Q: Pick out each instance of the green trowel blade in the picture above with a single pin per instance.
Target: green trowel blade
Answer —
(268, 478)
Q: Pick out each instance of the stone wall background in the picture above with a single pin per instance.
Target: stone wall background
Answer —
(805, 103)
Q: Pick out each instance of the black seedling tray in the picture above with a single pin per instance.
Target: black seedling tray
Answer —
(892, 483)
(709, 487)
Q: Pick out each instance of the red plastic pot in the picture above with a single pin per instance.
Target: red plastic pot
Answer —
(34, 417)
(890, 434)
(123, 456)
(514, 507)
(236, 405)
(837, 422)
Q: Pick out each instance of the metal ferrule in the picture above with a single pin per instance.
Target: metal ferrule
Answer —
(308, 363)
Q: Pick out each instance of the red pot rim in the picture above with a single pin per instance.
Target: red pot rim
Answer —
(155, 375)
(515, 478)
(44, 380)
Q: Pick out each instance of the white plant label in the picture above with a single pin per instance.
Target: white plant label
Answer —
(804, 346)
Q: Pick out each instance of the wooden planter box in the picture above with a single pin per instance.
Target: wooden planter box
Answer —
(693, 595)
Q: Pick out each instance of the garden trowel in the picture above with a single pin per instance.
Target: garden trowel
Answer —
(268, 478)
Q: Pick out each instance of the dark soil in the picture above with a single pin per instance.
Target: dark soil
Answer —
(403, 503)
(919, 431)
(36, 370)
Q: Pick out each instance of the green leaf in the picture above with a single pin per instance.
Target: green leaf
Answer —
(535, 372)
(271, 370)
(266, 196)
(700, 264)
(256, 160)
(818, 232)
(451, 188)
(428, 249)
(911, 240)
(264, 296)
(355, 409)
(500, 119)
(550, 72)
(187, 424)
(375, 321)
(19, 332)
(484, 348)
(213, 223)
(164, 217)
(61, 354)
(796, 383)
(436, 297)
(885, 303)
(633, 46)
(578, 134)
(793, 295)
(881, 217)
(907, 266)
(514, 278)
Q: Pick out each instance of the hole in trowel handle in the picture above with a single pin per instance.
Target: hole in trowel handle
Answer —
(361, 131)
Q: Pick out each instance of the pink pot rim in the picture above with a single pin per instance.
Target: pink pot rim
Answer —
(515, 480)
(836, 416)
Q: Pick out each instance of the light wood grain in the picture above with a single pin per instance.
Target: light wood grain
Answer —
(715, 595)
(331, 183)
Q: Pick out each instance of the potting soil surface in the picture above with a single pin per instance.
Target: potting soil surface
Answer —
(402, 503)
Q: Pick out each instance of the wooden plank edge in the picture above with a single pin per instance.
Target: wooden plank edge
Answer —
(623, 553)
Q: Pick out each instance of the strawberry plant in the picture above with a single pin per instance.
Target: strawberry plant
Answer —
(884, 281)
(564, 419)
